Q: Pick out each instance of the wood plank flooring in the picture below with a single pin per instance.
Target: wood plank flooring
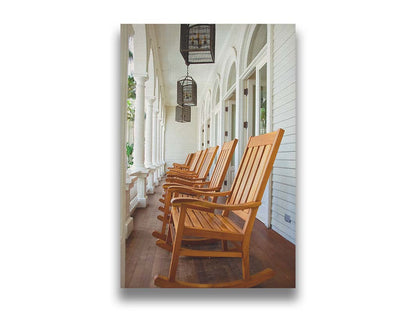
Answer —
(144, 260)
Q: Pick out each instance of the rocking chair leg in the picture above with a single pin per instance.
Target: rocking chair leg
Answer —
(169, 238)
(176, 248)
(245, 264)
(166, 211)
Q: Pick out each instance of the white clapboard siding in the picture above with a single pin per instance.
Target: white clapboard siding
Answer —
(286, 156)
(284, 180)
(283, 218)
(290, 189)
(286, 97)
(287, 147)
(287, 103)
(282, 227)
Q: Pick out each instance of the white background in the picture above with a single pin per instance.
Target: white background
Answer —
(59, 127)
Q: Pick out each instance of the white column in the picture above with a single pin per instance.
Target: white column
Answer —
(158, 147)
(138, 169)
(154, 143)
(148, 133)
(162, 154)
(154, 137)
(138, 150)
(148, 143)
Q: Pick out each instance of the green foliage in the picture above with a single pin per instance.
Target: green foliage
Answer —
(132, 88)
(130, 55)
(129, 153)
(130, 110)
(262, 113)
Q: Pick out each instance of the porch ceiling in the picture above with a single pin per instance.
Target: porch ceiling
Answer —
(173, 65)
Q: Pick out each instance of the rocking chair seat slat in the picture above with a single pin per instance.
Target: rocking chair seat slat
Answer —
(212, 225)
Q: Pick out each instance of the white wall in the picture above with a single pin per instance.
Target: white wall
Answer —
(180, 138)
(284, 116)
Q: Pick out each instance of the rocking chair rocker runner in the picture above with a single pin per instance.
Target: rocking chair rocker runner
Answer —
(190, 216)
(199, 184)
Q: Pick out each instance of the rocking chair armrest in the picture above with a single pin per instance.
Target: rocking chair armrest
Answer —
(201, 189)
(192, 191)
(199, 204)
(176, 172)
(202, 182)
(189, 178)
(207, 189)
(185, 180)
(175, 165)
(200, 185)
(170, 184)
(171, 174)
(180, 182)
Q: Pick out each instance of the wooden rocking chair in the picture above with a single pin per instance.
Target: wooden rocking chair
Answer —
(193, 170)
(185, 165)
(189, 216)
(214, 185)
(203, 173)
(203, 170)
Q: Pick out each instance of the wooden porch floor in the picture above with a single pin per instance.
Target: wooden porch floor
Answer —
(144, 260)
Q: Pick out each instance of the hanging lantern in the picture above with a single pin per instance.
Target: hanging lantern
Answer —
(198, 43)
(183, 114)
(186, 91)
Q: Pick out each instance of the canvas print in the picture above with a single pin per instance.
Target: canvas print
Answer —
(208, 156)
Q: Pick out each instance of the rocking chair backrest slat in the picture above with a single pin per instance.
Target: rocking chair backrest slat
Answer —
(200, 161)
(194, 161)
(254, 171)
(209, 159)
(222, 164)
(189, 159)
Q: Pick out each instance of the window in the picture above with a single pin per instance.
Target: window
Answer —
(231, 77)
(258, 41)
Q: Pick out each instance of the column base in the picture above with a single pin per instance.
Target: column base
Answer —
(139, 199)
(156, 175)
(150, 180)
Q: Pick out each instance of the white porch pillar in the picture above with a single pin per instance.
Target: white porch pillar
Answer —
(154, 144)
(158, 147)
(154, 138)
(138, 150)
(138, 169)
(162, 146)
(148, 143)
(159, 141)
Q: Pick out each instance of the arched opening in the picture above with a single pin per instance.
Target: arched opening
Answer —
(258, 41)
(231, 77)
